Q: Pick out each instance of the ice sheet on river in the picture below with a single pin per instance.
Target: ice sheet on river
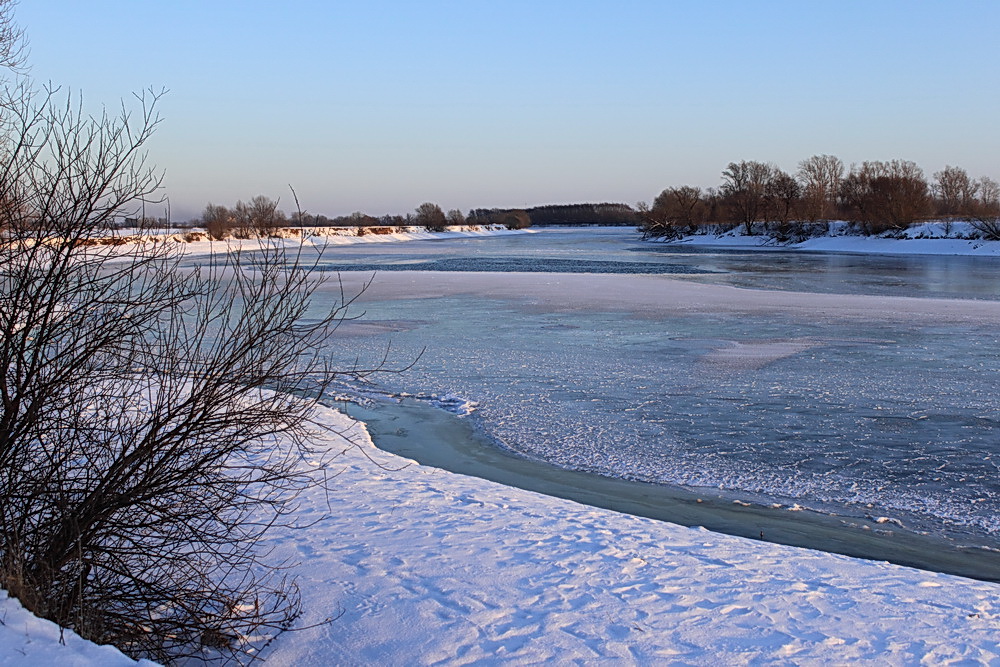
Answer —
(880, 405)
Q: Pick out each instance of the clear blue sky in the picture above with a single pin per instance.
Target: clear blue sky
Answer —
(379, 106)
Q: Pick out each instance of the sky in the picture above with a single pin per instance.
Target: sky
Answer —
(379, 106)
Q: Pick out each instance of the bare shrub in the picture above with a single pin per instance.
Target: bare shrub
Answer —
(988, 227)
(654, 222)
(152, 418)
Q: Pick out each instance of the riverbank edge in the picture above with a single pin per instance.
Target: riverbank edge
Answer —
(436, 438)
(928, 238)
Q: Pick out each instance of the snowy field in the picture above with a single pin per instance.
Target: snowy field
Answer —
(414, 565)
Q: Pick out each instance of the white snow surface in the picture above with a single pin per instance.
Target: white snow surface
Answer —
(195, 241)
(30, 641)
(419, 566)
(926, 238)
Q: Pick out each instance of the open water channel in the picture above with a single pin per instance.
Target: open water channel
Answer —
(857, 393)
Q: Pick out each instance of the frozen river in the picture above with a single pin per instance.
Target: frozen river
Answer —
(861, 386)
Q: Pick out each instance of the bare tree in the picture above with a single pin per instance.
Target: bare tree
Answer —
(955, 192)
(218, 221)
(986, 210)
(674, 212)
(12, 43)
(745, 186)
(783, 194)
(152, 418)
(679, 207)
(653, 222)
(988, 199)
(247, 220)
(820, 176)
(431, 217)
(885, 196)
(258, 217)
(455, 217)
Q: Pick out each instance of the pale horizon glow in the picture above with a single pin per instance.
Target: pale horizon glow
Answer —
(381, 106)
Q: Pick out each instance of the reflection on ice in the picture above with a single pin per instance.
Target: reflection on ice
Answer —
(751, 355)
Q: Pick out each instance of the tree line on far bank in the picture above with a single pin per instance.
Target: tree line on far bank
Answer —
(261, 216)
(757, 197)
(875, 197)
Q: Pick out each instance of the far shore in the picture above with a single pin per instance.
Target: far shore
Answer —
(316, 235)
(927, 238)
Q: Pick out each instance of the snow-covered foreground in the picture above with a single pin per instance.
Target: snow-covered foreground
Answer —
(28, 640)
(420, 566)
(415, 565)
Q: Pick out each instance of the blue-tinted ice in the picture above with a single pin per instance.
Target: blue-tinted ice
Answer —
(895, 419)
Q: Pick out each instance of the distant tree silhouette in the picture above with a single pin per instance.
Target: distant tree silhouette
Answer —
(582, 214)
(431, 217)
(986, 211)
(218, 221)
(258, 217)
(883, 196)
(955, 192)
(783, 195)
(820, 176)
(745, 187)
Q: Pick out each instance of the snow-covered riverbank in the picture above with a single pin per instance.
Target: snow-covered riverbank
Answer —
(420, 566)
(197, 241)
(414, 565)
(930, 238)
